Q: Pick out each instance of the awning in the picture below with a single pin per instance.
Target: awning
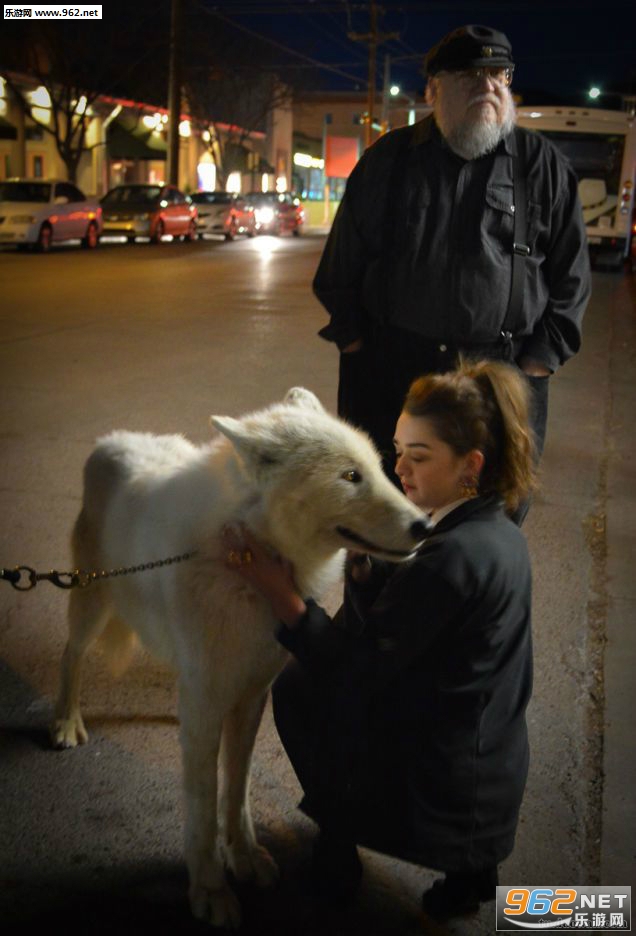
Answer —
(132, 140)
(7, 130)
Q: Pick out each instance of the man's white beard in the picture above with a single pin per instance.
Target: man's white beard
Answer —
(470, 140)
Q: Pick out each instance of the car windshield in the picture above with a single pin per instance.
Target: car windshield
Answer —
(211, 198)
(25, 191)
(264, 198)
(132, 193)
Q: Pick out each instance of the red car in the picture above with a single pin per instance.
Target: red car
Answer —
(276, 212)
(149, 210)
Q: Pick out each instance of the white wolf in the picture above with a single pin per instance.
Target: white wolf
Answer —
(299, 479)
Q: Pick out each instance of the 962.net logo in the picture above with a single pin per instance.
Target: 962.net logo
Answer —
(601, 909)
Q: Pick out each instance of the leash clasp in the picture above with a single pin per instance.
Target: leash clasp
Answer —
(62, 579)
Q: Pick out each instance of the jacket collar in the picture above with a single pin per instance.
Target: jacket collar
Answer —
(488, 505)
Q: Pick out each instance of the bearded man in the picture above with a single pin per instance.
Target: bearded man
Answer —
(460, 235)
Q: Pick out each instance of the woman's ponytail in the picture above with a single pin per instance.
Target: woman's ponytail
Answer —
(483, 405)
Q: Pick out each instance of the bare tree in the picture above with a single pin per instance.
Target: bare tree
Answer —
(76, 62)
(232, 84)
(231, 104)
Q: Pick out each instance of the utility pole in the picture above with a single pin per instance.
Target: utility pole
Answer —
(373, 39)
(174, 93)
(384, 122)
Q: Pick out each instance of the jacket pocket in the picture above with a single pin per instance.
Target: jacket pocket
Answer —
(500, 198)
(498, 217)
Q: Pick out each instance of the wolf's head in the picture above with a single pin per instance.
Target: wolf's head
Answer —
(321, 482)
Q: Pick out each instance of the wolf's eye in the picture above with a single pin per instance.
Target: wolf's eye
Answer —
(354, 476)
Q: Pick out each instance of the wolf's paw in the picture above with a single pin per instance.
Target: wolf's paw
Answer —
(68, 732)
(217, 906)
(252, 863)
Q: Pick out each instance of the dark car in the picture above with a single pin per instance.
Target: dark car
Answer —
(224, 214)
(149, 210)
(277, 212)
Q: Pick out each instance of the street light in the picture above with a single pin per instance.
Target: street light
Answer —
(396, 91)
(594, 93)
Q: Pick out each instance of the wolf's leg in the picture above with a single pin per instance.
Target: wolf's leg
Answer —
(87, 618)
(211, 897)
(246, 858)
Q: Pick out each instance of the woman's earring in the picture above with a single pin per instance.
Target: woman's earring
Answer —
(468, 487)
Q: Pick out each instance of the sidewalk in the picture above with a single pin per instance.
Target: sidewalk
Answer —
(618, 845)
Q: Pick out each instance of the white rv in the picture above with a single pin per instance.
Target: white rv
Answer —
(601, 146)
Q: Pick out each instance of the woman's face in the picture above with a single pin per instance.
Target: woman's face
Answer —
(428, 468)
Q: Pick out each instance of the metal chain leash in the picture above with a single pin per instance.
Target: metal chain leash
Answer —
(24, 578)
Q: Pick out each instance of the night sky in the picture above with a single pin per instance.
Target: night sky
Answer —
(561, 48)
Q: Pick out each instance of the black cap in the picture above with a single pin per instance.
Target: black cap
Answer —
(469, 47)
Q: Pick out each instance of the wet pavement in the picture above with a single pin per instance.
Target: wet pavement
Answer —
(157, 339)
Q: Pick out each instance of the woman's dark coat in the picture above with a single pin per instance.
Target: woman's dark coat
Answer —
(416, 727)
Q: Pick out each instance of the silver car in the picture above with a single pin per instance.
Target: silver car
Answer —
(224, 214)
(39, 213)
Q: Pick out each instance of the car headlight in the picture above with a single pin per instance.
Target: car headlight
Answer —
(23, 219)
(264, 215)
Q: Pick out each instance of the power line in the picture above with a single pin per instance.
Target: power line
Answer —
(275, 43)
(336, 39)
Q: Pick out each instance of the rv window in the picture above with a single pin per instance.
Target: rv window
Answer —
(592, 155)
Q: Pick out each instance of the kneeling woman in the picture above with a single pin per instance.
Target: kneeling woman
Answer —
(404, 715)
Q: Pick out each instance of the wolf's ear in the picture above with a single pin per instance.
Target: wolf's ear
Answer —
(257, 450)
(232, 428)
(298, 396)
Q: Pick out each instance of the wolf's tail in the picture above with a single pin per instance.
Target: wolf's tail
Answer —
(118, 643)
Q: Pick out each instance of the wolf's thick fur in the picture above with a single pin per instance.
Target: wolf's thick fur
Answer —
(302, 481)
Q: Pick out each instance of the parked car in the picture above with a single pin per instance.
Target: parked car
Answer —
(41, 212)
(151, 210)
(277, 212)
(224, 214)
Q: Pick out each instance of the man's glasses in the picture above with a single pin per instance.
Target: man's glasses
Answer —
(498, 75)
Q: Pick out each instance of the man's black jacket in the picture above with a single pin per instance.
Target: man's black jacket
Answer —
(423, 241)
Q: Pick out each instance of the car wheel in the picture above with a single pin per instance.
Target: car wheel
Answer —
(191, 235)
(91, 240)
(158, 233)
(45, 238)
(230, 234)
(297, 230)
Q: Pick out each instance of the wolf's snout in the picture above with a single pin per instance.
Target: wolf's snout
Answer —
(419, 529)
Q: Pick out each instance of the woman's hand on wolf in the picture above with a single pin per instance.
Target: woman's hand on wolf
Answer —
(265, 571)
(358, 566)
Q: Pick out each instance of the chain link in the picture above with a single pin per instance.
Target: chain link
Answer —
(80, 578)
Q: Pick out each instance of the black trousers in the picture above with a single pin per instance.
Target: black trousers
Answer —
(304, 713)
(311, 726)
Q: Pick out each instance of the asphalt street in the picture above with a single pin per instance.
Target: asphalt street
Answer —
(157, 339)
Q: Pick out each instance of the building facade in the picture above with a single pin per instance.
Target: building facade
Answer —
(126, 141)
